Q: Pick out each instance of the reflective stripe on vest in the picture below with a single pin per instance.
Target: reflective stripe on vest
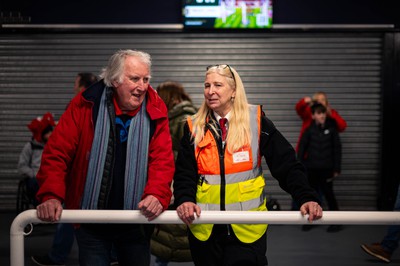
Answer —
(244, 182)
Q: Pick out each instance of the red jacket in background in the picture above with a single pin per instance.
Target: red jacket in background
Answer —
(64, 166)
(303, 109)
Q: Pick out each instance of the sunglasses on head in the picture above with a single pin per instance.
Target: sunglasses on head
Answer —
(223, 67)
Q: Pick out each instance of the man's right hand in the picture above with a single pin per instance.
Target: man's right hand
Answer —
(50, 210)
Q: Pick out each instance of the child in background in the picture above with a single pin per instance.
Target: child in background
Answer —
(31, 155)
(320, 151)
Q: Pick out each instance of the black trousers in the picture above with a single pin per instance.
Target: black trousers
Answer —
(321, 181)
(223, 248)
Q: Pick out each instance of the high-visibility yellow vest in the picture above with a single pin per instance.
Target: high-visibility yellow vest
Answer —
(233, 182)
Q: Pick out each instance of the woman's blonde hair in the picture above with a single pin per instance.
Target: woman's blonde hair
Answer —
(239, 133)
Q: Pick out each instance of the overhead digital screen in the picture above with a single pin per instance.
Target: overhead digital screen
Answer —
(227, 14)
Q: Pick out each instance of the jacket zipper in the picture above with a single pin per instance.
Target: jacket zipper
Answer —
(221, 150)
(221, 155)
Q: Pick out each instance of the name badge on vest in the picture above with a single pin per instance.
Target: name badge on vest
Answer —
(241, 156)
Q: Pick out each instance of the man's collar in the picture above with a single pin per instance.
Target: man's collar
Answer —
(118, 110)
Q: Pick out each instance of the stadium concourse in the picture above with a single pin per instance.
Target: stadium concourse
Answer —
(288, 245)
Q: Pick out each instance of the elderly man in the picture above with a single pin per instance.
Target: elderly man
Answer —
(111, 150)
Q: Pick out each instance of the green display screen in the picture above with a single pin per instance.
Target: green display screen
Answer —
(227, 14)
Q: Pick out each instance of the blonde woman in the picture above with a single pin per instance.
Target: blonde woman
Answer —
(219, 169)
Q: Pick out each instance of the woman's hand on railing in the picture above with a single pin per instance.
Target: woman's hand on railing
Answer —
(186, 212)
(313, 209)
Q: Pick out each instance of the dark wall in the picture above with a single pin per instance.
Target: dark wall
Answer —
(169, 11)
(334, 12)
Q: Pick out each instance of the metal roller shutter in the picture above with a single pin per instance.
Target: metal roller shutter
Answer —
(37, 72)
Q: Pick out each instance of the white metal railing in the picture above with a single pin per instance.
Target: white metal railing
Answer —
(25, 218)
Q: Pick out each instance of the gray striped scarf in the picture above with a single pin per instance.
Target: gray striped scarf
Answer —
(136, 157)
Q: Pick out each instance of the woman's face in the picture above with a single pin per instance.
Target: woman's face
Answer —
(218, 93)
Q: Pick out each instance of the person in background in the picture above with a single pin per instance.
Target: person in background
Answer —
(64, 237)
(169, 241)
(219, 169)
(84, 80)
(117, 120)
(320, 150)
(180, 106)
(384, 249)
(303, 110)
(31, 154)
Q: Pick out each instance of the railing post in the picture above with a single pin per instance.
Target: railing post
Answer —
(17, 236)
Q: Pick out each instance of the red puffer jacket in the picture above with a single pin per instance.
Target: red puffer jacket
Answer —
(65, 160)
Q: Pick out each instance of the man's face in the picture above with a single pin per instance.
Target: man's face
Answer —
(131, 92)
(77, 88)
(321, 99)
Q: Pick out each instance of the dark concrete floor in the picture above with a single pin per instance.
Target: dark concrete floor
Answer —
(287, 245)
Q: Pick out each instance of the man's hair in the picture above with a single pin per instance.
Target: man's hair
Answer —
(86, 79)
(317, 107)
(114, 71)
(320, 93)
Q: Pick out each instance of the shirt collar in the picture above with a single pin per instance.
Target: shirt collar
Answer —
(218, 117)
(118, 110)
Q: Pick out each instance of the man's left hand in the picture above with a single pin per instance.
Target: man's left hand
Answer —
(150, 207)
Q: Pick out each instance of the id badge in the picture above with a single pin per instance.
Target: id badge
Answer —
(241, 156)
